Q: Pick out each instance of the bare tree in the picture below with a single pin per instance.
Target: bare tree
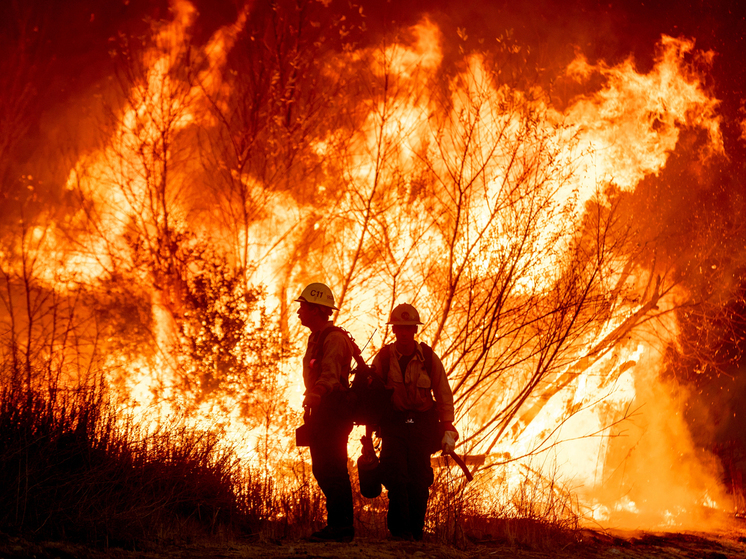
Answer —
(281, 95)
(48, 336)
(527, 283)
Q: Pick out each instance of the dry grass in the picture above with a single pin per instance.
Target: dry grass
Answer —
(74, 471)
(276, 509)
(538, 513)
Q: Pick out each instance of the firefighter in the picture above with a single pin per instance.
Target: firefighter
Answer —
(418, 423)
(326, 368)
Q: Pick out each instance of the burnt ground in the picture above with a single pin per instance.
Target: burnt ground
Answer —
(588, 544)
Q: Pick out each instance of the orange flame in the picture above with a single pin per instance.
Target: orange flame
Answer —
(627, 471)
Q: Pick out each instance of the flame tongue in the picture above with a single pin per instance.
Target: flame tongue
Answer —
(433, 188)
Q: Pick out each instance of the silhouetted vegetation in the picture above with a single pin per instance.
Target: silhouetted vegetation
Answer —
(75, 470)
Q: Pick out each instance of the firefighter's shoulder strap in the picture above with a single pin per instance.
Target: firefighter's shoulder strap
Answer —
(427, 353)
(356, 353)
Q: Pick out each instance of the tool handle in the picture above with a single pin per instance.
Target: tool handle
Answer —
(461, 465)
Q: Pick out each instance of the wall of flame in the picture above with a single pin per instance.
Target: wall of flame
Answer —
(387, 164)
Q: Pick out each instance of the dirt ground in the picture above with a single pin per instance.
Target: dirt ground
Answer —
(589, 545)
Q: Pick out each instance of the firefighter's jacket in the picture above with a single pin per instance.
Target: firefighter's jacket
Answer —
(414, 389)
(333, 372)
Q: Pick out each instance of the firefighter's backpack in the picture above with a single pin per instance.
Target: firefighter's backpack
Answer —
(367, 396)
(368, 399)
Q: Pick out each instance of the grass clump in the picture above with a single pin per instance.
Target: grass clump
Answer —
(73, 471)
(529, 511)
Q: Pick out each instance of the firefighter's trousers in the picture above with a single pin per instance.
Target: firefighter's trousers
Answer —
(408, 439)
(330, 428)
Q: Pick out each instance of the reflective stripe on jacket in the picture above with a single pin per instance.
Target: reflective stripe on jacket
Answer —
(334, 370)
(415, 389)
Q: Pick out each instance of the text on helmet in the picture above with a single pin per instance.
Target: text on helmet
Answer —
(316, 294)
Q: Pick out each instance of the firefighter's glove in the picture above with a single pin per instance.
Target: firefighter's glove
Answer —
(311, 400)
(448, 443)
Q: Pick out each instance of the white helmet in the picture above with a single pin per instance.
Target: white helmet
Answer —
(405, 314)
(318, 294)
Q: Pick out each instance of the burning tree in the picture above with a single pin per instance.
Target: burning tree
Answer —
(474, 202)
(281, 151)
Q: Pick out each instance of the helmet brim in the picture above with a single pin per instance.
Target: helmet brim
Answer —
(302, 300)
